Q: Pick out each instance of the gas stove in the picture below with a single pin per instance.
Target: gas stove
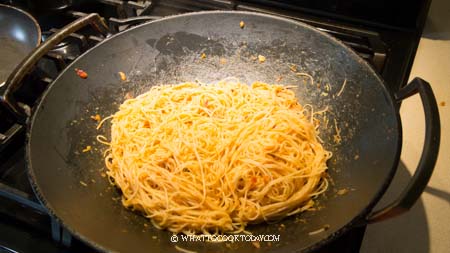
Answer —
(384, 34)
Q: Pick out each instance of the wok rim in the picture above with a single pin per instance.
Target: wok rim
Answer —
(358, 220)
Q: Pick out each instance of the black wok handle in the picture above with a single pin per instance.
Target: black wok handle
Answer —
(14, 81)
(429, 153)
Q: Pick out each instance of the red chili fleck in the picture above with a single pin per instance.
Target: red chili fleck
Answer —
(81, 73)
(128, 96)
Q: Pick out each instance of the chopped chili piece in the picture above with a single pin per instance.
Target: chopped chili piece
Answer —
(242, 24)
(122, 75)
(342, 191)
(293, 67)
(81, 73)
(261, 58)
(128, 96)
(87, 149)
(96, 118)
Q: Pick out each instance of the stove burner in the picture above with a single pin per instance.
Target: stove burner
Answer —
(66, 51)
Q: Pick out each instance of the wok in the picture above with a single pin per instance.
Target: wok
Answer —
(19, 35)
(69, 182)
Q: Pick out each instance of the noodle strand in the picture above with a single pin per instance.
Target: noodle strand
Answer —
(198, 158)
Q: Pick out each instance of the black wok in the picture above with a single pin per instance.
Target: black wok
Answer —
(69, 182)
(19, 35)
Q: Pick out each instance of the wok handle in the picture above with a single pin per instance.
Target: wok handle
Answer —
(14, 81)
(429, 155)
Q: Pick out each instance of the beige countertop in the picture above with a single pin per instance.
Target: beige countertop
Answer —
(426, 227)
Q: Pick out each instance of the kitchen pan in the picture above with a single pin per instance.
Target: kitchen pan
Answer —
(360, 110)
(19, 35)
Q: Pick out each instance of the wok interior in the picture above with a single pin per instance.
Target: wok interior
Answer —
(168, 51)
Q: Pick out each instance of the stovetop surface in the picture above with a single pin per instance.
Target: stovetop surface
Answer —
(388, 48)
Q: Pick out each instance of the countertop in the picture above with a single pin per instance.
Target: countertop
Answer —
(426, 227)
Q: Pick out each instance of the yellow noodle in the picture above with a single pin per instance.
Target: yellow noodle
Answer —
(198, 158)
